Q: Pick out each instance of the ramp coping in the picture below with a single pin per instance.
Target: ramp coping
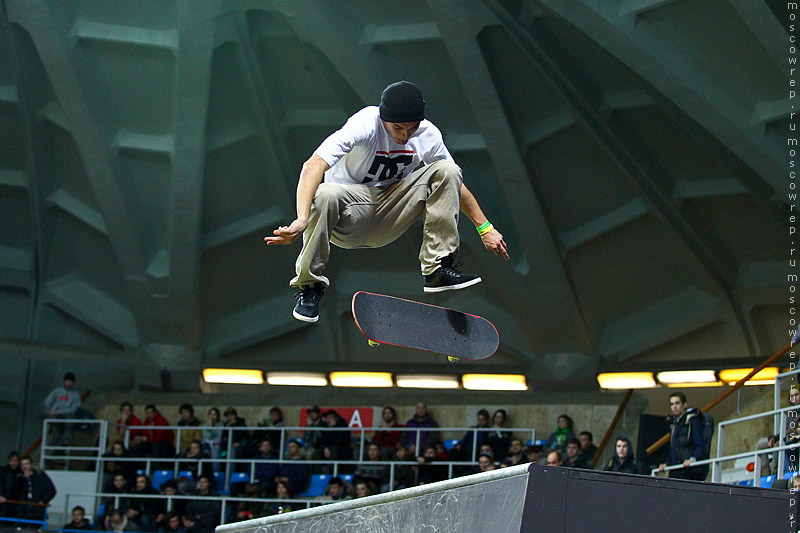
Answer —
(386, 497)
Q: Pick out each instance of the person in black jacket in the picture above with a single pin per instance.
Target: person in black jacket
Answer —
(143, 511)
(623, 459)
(206, 511)
(9, 475)
(686, 444)
(35, 488)
(78, 519)
(336, 444)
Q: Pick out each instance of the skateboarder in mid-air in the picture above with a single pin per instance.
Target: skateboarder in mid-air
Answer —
(360, 189)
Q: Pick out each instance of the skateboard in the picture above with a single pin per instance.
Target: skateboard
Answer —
(400, 322)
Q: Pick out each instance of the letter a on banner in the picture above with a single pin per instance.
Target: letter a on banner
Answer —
(355, 420)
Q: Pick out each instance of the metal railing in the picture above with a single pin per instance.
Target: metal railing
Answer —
(94, 453)
(716, 463)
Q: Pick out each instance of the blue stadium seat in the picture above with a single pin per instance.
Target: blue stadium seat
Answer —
(160, 477)
(449, 443)
(185, 473)
(347, 477)
(240, 477)
(537, 442)
(317, 486)
(219, 481)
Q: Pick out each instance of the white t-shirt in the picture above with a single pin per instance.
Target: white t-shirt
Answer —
(363, 152)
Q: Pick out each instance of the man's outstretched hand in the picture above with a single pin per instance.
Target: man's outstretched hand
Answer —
(494, 242)
(287, 234)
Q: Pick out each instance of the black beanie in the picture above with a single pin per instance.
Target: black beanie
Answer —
(402, 102)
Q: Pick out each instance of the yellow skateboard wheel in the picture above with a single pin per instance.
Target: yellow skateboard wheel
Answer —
(373, 343)
(452, 359)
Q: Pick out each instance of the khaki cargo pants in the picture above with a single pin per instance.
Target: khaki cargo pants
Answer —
(360, 216)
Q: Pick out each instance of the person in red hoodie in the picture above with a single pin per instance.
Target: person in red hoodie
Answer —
(157, 441)
(126, 419)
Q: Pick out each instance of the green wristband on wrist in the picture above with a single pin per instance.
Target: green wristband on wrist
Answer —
(484, 228)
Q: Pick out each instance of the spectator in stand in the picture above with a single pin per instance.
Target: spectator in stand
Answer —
(533, 454)
(248, 509)
(364, 488)
(112, 467)
(558, 439)
(313, 437)
(421, 419)
(337, 490)
(171, 523)
(207, 511)
(62, 402)
(792, 435)
(555, 458)
(498, 439)
(462, 451)
(195, 461)
(573, 457)
(336, 444)
(125, 420)
(119, 486)
(485, 463)
(429, 470)
(275, 420)
(686, 443)
(157, 442)
(623, 459)
(143, 511)
(33, 487)
(117, 521)
(516, 454)
(296, 473)
(241, 437)
(188, 420)
(372, 473)
(487, 449)
(170, 488)
(404, 473)
(588, 449)
(267, 467)
(385, 439)
(212, 436)
(769, 462)
(78, 519)
(283, 493)
(191, 524)
(9, 477)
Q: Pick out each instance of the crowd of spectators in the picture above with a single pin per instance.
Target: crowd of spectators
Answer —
(278, 467)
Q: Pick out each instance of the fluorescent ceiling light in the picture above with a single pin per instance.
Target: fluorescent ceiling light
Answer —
(765, 376)
(361, 379)
(303, 379)
(233, 375)
(494, 382)
(688, 378)
(424, 381)
(626, 380)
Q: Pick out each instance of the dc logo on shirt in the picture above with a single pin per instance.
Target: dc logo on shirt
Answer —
(386, 167)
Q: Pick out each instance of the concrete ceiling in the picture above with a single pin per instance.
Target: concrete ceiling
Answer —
(632, 152)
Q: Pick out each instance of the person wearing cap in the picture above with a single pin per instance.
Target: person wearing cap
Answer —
(62, 402)
(368, 182)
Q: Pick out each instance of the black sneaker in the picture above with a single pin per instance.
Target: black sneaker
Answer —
(447, 278)
(307, 308)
